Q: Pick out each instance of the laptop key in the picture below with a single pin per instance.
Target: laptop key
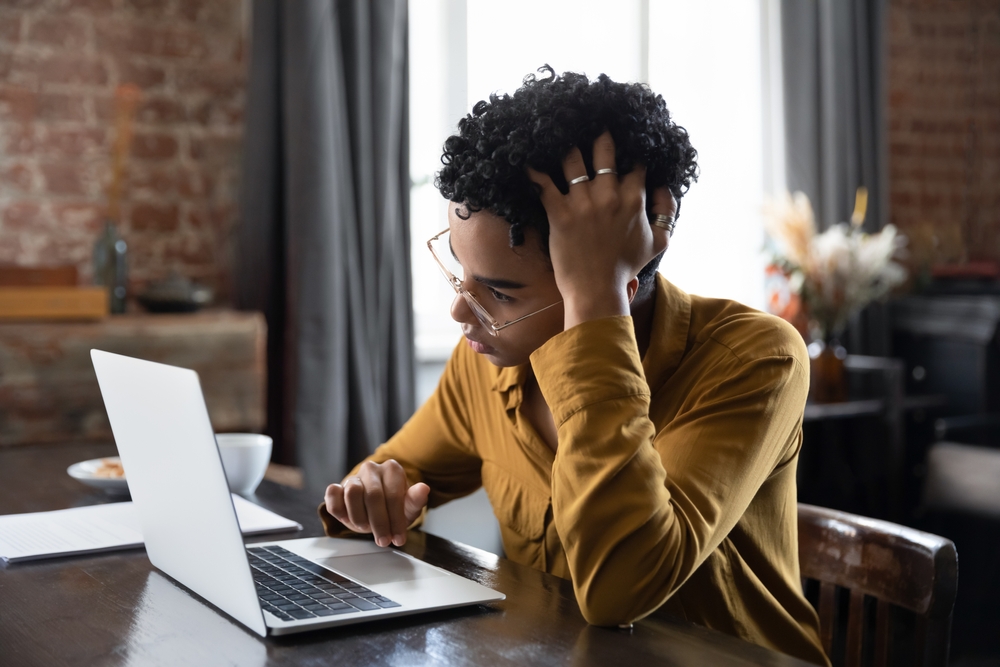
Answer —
(363, 605)
(386, 604)
(285, 605)
(331, 612)
(313, 607)
(300, 613)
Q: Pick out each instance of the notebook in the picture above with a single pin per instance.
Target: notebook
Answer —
(176, 479)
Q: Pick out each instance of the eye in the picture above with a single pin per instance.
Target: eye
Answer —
(499, 296)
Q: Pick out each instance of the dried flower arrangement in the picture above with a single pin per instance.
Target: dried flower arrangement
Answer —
(837, 272)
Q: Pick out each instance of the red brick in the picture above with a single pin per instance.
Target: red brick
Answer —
(23, 215)
(17, 177)
(148, 9)
(80, 216)
(10, 27)
(91, 6)
(191, 9)
(72, 69)
(195, 184)
(75, 142)
(215, 150)
(59, 31)
(222, 80)
(154, 146)
(155, 217)
(122, 37)
(144, 75)
(19, 69)
(62, 178)
(190, 249)
(57, 106)
(17, 138)
(159, 111)
(17, 104)
(148, 181)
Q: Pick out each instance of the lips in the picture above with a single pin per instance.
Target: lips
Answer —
(479, 348)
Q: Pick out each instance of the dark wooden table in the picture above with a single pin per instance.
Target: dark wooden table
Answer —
(116, 609)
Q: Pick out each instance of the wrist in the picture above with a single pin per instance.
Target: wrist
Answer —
(594, 306)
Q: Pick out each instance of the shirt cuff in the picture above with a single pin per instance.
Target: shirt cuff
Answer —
(592, 362)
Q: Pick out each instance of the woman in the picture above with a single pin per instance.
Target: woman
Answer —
(635, 439)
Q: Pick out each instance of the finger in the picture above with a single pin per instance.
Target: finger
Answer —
(416, 499)
(395, 486)
(549, 194)
(604, 152)
(374, 497)
(335, 503)
(662, 203)
(573, 167)
(354, 502)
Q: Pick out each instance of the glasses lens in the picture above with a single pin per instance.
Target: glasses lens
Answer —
(442, 250)
(484, 318)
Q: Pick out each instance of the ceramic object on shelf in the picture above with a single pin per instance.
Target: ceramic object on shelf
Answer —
(176, 294)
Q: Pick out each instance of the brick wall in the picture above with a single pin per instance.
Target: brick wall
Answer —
(60, 62)
(944, 127)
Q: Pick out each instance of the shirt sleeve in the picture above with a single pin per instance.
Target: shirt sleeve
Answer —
(638, 510)
(435, 446)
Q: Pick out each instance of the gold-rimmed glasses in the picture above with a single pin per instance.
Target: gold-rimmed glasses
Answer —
(490, 323)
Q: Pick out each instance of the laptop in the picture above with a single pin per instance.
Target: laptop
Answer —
(177, 482)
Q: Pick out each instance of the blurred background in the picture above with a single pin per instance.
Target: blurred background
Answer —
(251, 184)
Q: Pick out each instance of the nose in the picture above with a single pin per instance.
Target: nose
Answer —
(461, 312)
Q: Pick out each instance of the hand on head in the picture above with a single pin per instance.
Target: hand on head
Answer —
(378, 500)
(599, 235)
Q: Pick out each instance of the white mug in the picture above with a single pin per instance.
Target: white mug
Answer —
(244, 457)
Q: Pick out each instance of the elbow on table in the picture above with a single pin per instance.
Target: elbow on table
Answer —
(611, 609)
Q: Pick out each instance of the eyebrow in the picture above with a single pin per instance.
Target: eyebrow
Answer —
(495, 283)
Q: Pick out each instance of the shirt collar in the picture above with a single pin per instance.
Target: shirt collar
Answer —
(668, 338)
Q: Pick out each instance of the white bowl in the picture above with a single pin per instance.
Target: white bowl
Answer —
(244, 457)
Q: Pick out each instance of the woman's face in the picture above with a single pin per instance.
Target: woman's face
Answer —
(508, 282)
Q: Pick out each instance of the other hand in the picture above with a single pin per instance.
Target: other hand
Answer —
(378, 500)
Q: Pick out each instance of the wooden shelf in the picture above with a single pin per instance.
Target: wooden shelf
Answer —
(49, 393)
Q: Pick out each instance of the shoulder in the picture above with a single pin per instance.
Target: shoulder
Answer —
(745, 333)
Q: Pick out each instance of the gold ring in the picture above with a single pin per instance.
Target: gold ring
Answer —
(601, 172)
(580, 179)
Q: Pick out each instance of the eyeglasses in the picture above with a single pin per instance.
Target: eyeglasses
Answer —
(491, 324)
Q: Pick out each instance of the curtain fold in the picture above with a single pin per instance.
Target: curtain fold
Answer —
(323, 246)
(833, 58)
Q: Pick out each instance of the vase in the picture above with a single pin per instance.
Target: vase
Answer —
(827, 374)
(111, 266)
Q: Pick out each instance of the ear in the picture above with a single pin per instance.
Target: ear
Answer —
(631, 288)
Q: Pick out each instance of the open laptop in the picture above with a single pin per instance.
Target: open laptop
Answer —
(175, 475)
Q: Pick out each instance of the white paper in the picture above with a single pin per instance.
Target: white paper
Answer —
(102, 528)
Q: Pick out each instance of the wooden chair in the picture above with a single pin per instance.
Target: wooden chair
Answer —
(910, 578)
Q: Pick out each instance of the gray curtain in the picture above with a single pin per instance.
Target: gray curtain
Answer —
(323, 245)
(833, 56)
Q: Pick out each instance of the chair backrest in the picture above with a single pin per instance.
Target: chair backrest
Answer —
(860, 563)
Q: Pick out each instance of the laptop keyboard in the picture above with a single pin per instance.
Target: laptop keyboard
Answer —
(292, 587)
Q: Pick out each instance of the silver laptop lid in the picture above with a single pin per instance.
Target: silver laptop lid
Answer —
(175, 476)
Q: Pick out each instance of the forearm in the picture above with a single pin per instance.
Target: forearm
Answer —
(638, 511)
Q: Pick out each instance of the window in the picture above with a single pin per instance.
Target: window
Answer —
(704, 58)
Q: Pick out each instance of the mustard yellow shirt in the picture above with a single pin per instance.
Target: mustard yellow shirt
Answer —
(673, 484)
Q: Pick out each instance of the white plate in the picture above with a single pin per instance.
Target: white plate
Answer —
(85, 472)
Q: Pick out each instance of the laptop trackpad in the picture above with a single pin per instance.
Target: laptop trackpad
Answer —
(381, 568)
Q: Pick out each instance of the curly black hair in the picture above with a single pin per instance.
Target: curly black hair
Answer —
(485, 163)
